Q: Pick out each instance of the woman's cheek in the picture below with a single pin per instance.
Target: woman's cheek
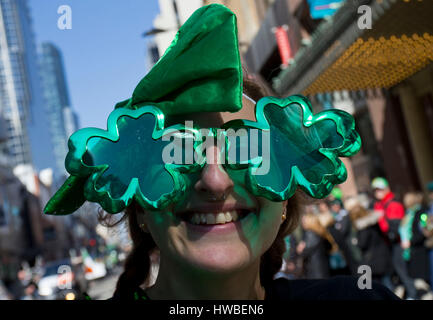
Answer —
(158, 224)
(268, 223)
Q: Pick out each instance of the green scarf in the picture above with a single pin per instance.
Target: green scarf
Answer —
(405, 228)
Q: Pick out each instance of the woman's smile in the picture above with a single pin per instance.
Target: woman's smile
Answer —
(215, 218)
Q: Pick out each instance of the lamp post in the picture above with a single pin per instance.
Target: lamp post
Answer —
(152, 32)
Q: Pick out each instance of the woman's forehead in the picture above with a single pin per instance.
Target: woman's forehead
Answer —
(215, 119)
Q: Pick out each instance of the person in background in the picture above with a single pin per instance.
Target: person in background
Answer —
(391, 213)
(427, 228)
(343, 261)
(340, 214)
(288, 266)
(30, 292)
(315, 247)
(370, 240)
(327, 218)
(292, 261)
(9, 275)
(412, 240)
(430, 197)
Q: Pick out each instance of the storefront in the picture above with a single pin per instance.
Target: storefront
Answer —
(386, 71)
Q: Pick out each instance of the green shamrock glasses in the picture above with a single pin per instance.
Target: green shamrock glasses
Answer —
(138, 158)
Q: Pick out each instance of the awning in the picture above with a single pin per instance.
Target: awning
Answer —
(344, 57)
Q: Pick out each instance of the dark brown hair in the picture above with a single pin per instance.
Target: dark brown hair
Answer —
(137, 264)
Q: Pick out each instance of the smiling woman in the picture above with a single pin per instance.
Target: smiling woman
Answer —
(219, 226)
(218, 237)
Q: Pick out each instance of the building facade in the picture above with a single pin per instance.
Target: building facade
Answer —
(172, 15)
(11, 235)
(249, 14)
(62, 119)
(382, 74)
(27, 150)
(71, 121)
(267, 29)
(21, 98)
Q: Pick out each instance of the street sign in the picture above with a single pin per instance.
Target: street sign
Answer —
(320, 9)
(283, 44)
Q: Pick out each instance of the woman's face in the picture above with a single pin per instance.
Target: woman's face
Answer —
(197, 233)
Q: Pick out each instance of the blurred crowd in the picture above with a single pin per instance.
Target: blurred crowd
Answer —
(394, 238)
(337, 235)
(63, 279)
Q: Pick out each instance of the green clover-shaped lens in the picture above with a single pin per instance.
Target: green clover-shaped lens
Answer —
(295, 147)
(133, 157)
(125, 162)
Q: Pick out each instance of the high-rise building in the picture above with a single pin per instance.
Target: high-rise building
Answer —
(21, 97)
(153, 55)
(28, 145)
(72, 121)
(61, 116)
(172, 15)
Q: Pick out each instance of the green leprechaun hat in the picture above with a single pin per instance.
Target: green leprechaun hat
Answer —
(202, 64)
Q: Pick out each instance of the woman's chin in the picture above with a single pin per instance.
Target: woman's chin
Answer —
(220, 258)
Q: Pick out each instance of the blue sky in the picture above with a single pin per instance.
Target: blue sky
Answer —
(104, 53)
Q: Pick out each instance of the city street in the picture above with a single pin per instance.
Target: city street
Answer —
(232, 142)
(103, 289)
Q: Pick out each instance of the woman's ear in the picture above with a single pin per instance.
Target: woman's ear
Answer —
(284, 212)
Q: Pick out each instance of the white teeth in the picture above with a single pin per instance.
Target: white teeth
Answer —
(210, 218)
(234, 215)
(220, 218)
(214, 218)
(228, 216)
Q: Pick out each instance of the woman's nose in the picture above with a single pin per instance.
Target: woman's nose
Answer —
(214, 183)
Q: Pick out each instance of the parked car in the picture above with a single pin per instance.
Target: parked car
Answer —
(93, 268)
(62, 280)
